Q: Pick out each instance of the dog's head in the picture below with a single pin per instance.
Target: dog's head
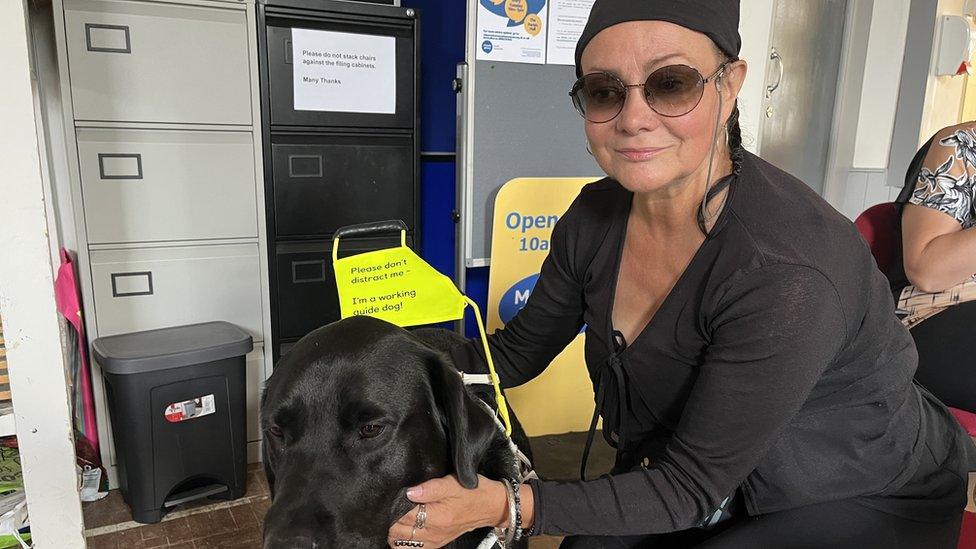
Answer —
(357, 412)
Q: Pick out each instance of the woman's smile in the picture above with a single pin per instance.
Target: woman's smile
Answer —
(642, 154)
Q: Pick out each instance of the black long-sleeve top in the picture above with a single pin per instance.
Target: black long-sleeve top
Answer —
(775, 366)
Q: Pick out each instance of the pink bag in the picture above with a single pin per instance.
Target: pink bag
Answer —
(69, 304)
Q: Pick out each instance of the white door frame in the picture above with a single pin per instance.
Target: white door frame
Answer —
(847, 105)
(32, 330)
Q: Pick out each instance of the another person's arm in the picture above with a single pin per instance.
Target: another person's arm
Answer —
(938, 252)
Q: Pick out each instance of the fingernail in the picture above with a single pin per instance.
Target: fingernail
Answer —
(414, 492)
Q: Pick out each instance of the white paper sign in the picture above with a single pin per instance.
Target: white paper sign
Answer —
(566, 21)
(344, 72)
(512, 30)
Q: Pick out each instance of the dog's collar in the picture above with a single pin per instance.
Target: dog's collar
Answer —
(522, 463)
(475, 379)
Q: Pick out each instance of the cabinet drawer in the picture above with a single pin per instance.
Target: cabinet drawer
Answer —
(157, 62)
(331, 182)
(282, 70)
(149, 185)
(143, 289)
(306, 292)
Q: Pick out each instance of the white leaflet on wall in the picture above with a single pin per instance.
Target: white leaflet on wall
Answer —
(512, 31)
(344, 72)
(566, 21)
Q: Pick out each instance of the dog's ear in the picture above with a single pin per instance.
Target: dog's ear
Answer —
(469, 426)
(267, 455)
(267, 460)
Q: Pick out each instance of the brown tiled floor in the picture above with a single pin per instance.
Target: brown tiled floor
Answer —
(197, 525)
(236, 524)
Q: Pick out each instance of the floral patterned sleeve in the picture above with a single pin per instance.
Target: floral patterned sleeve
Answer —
(946, 180)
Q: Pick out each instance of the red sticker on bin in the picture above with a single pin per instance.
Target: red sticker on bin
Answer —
(190, 409)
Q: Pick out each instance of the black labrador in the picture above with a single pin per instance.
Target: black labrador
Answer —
(357, 412)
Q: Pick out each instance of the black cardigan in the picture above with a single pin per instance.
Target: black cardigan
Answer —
(775, 366)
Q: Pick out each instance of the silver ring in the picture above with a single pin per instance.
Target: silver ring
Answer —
(421, 517)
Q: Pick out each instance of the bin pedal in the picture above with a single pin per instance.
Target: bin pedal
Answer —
(196, 493)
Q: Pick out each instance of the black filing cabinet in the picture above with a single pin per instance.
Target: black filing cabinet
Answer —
(325, 169)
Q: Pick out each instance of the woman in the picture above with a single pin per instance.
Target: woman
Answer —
(743, 347)
(936, 289)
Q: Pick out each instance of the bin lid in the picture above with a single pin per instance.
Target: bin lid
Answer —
(166, 348)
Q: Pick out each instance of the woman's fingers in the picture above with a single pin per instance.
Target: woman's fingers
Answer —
(451, 510)
(400, 532)
(410, 518)
(434, 490)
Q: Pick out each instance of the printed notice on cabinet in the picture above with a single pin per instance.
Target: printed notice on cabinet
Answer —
(343, 72)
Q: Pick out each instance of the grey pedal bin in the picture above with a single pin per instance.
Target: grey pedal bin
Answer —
(176, 397)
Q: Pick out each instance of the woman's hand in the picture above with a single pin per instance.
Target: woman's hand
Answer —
(452, 511)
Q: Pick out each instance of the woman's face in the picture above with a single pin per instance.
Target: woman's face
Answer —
(641, 149)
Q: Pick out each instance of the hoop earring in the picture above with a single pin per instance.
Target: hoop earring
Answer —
(588, 149)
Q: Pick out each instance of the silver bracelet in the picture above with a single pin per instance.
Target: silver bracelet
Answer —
(507, 535)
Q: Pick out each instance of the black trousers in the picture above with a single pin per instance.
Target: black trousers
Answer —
(947, 355)
(835, 525)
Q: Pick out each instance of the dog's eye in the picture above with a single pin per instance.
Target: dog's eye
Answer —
(370, 431)
(275, 431)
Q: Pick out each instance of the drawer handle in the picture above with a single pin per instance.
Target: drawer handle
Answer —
(132, 284)
(304, 272)
(288, 52)
(304, 165)
(108, 38)
(119, 166)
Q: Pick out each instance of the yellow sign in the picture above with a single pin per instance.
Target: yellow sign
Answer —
(526, 210)
(397, 286)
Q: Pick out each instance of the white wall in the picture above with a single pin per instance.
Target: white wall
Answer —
(944, 94)
(868, 102)
(51, 130)
(924, 103)
(882, 75)
(36, 361)
(755, 26)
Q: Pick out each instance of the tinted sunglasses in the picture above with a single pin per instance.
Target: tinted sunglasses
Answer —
(671, 91)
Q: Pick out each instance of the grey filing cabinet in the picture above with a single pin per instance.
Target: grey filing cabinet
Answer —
(162, 123)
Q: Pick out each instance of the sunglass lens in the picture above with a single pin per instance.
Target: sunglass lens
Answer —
(674, 90)
(599, 97)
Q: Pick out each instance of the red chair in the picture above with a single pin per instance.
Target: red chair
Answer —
(879, 227)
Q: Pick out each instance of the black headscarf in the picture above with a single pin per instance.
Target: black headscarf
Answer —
(716, 19)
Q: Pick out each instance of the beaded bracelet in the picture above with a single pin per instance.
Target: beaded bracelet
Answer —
(514, 531)
(517, 524)
(533, 530)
